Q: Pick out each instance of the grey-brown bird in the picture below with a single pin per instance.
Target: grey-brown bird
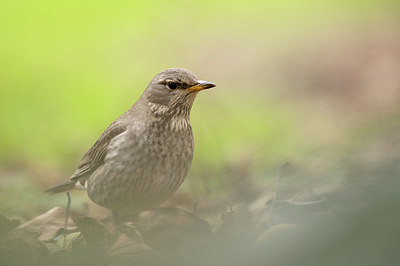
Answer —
(143, 157)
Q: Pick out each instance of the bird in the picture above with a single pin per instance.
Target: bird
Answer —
(144, 156)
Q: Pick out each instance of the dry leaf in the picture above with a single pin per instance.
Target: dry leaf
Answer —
(169, 228)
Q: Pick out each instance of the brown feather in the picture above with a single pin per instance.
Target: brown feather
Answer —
(96, 154)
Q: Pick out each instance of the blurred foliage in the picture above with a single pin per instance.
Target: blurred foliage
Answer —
(308, 82)
(312, 83)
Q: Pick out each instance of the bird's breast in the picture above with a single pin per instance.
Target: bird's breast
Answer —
(146, 164)
(156, 155)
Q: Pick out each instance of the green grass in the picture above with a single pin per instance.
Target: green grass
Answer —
(68, 68)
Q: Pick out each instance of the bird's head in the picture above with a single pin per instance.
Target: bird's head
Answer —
(172, 92)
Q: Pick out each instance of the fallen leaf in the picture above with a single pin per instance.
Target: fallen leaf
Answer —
(170, 228)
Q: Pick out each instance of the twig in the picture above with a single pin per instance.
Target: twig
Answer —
(195, 208)
(66, 219)
(305, 203)
(275, 198)
(277, 179)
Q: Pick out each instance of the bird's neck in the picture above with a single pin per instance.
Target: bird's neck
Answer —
(175, 116)
(175, 119)
(166, 112)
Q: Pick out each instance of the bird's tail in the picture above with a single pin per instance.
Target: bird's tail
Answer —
(68, 185)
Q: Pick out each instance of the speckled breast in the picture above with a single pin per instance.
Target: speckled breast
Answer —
(144, 166)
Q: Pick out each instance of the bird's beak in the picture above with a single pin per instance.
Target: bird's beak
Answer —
(201, 85)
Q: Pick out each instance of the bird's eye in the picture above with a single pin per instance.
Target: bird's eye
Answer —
(172, 85)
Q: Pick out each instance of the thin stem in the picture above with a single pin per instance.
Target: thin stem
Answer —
(66, 219)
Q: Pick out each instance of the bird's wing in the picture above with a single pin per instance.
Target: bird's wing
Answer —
(96, 154)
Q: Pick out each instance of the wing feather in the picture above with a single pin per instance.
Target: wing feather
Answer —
(96, 154)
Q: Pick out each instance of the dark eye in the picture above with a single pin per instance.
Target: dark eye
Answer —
(172, 85)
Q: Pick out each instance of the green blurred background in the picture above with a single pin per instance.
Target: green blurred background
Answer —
(315, 83)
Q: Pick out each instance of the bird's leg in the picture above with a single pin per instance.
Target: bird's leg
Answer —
(125, 223)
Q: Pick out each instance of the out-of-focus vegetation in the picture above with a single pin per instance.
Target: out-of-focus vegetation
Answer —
(312, 83)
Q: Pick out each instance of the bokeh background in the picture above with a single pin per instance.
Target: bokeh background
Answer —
(312, 83)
